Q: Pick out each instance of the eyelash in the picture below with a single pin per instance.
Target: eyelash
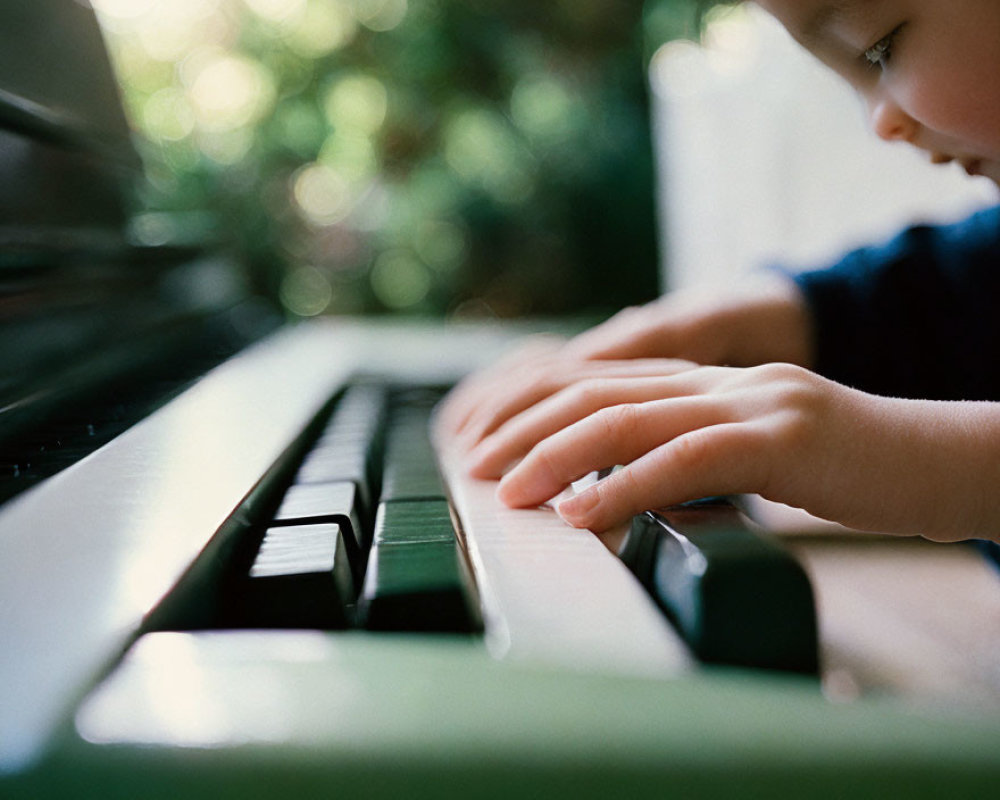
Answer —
(879, 54)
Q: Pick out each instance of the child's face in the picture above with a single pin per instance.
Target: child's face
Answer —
(929, 70)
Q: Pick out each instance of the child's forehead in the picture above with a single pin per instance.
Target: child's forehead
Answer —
(811, 20)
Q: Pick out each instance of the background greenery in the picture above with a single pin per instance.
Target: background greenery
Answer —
(442, 157)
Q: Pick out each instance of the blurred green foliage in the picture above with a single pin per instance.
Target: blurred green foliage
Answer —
(436, 157)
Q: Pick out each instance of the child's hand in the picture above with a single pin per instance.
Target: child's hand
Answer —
(761, 321)
(481, 404)
(872, 463)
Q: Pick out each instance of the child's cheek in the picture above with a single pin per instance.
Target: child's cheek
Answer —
(961, 104)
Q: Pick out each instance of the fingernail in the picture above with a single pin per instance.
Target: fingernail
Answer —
(574, 509)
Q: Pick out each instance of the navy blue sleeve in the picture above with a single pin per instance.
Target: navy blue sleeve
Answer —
(916, 317)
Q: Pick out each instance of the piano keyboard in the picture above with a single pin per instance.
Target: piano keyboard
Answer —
(354, 528)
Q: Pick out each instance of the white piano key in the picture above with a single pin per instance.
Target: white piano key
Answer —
(554, 594)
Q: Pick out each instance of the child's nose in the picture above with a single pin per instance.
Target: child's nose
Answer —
(889, 121)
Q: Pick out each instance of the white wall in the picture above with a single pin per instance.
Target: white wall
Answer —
(765, 156)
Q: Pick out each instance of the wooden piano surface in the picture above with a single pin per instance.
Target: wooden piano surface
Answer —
(899, 617)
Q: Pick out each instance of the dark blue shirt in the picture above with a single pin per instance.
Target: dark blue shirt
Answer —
(916, 317)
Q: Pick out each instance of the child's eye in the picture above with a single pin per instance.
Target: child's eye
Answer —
(879, 54)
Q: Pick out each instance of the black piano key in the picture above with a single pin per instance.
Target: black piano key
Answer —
(418, 586)
(417, 579)
(410, 521)
(410, 463)
(337, 501)
(300, 578)
(736, 597)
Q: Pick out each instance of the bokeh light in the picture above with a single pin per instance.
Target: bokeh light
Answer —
(358, 102)
(279, 11)
(323, 27)
(380, 15)
(480, 146)
(400, 280)
(322, 195)
(168, 114)
(441, 244)
(229, 91)
(305, 291)
(352, 156)
(544, 109)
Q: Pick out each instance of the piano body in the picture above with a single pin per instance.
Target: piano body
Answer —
(571, 682)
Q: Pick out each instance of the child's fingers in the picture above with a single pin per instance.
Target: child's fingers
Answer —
(730, 458)
(463, 401)
(616, 435)
(628, 334)
(671, 326)
(515, 437)
(514, 393)
(717, 434)
(518, 435)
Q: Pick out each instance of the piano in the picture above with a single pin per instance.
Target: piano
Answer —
(160, 439)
